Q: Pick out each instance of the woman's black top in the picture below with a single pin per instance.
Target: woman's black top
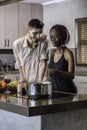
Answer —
(59, 83)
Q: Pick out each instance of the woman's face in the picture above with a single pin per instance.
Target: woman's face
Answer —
(54, 37)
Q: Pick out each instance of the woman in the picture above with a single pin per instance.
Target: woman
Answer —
(61, 66)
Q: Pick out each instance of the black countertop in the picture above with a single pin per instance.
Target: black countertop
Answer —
(27, 107)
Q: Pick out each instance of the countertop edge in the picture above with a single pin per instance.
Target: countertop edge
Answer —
(14, 108)
(44, 106)
(42, 110)
(58, 108)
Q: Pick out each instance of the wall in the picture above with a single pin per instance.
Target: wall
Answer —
(65, 13)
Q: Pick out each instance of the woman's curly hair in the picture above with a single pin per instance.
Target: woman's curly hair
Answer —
(63, 32)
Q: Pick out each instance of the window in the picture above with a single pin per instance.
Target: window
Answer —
(81, 41)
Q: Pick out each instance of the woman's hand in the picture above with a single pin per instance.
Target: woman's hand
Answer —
(51, 72)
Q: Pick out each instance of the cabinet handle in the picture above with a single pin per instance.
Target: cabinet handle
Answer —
(5, 42)
(8, 42)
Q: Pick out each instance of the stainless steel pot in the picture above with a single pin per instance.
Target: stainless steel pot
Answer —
(39, 90)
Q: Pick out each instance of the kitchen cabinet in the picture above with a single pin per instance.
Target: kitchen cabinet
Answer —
(24, 17)
(21, 113)
(81, 83)
(37, 11)
(11, 24)
(26, 13)
(2, 27)
(14, 21)
(8, 25)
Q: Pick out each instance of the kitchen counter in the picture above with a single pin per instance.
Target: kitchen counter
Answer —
(9, 72)
(81, 73)
(27, 107)
(21, 113)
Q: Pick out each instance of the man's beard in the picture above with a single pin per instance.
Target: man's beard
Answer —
(35, 40)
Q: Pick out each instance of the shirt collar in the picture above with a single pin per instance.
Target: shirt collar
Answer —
(26, 43)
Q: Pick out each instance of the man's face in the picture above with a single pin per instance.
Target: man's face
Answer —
(34, 34)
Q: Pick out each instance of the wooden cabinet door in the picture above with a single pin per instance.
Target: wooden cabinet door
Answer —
(26, 13)
(11, 24)
(2, 27)
(37, 11)
(24, 17)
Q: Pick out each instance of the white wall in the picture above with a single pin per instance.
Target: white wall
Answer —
(64, 13)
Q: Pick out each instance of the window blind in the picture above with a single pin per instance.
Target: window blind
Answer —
(81, 41)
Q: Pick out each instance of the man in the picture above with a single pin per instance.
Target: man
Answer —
(30, 53)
